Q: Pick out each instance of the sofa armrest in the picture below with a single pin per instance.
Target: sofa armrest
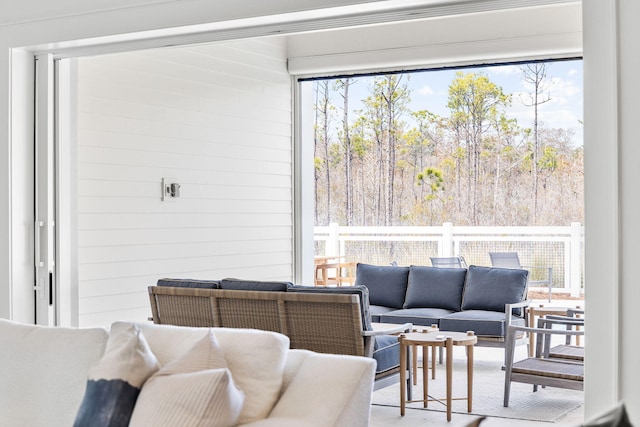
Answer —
(508, 310)
(328, 390)
(391, 330)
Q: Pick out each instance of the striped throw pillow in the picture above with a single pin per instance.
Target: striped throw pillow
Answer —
(194, 390)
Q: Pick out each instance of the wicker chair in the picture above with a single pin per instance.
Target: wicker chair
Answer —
(541, 370)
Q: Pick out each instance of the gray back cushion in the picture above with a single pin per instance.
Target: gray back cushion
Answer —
(190, 283)
(361, 291)
(387, 284)
(431, 287)
(254, 285)
(490, 288)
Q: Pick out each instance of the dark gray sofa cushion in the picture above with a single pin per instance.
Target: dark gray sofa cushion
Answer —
(417, 316)
(433, 287)
(189, 283)
(490, 288)
(482, 322)
(377, 310)
(361, 291)
(386, 352)
(254, 285)
(387, 284)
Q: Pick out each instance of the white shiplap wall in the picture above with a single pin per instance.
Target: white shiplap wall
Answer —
(218, 119)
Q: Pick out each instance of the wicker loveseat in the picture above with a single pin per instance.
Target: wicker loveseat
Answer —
(324, 320)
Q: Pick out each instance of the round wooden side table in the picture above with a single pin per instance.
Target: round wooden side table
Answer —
(437, 339)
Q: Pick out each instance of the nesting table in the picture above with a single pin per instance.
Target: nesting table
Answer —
(437, 339)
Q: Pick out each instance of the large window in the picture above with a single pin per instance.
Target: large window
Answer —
(490, 145)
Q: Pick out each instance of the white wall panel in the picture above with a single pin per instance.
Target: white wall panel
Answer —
(216, 118)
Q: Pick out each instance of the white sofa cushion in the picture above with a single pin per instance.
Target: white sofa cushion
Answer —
(114, 383)
(44, 371)
(309, 404)
(194, 390)
(255, 358)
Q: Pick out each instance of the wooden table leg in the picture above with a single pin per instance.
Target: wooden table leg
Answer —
(532, 319)
(469, 378)
(403, 373)
(415, 364)
(433, 361)
(425, 378)
(449, 345)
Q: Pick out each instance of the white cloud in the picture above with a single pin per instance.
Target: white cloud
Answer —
(426, 90)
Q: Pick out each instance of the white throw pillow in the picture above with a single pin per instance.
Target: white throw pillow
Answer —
(194, 390)
(255, 358)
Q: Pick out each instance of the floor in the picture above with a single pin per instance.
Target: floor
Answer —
(383, 416)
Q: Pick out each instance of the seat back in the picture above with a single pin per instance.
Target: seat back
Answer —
(505, 260)
(325, 323)
(448, 262)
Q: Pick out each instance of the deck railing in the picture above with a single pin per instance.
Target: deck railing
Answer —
(559, 247)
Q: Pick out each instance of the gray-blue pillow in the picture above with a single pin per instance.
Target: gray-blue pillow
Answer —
(190, 283)
(431, 287)
(387, 284)
(490, 288)
(254, 285)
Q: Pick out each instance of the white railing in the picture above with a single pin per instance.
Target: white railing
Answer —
(559, 247)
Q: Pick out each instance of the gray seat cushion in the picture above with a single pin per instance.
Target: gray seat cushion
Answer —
(482, 322)
(417, 316)
(377, 310)
(386, 352)
(361, 291)
(189, 283)
(490, 288)
(387, 284)
(435, 287)
(254, 285)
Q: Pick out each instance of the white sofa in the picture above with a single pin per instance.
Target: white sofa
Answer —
(44, 371)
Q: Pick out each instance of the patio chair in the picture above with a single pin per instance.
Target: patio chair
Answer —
(511, 260)
(448, 262)
(541, 370)
(335, 273)
(566, 351)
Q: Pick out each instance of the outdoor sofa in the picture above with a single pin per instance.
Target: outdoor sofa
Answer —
(485, 300)
(324, 320)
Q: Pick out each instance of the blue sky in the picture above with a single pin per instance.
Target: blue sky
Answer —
(429, 90)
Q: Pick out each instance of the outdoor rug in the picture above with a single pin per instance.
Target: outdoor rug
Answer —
(547, 404)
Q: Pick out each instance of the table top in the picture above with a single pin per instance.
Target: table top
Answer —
(550, 310)
(440, 338)
(324, 258)
(416, 328)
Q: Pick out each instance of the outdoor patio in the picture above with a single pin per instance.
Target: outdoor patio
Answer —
(548, 405)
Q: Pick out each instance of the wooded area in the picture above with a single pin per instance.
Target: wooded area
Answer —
(383, 164)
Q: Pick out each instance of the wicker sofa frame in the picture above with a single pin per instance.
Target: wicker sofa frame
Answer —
(324, 323)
